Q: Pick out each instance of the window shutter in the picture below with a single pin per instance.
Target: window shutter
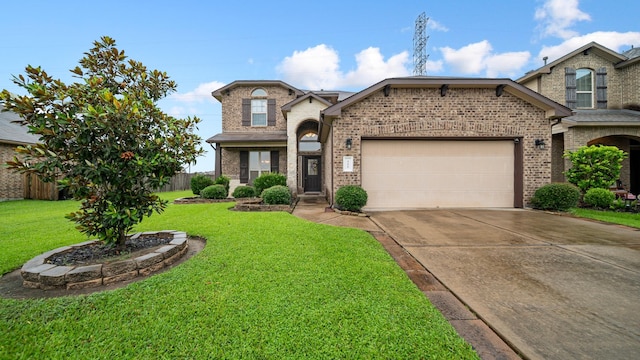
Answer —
(244, 167)
(275, 161)
(601, 88)
(570, 87)
(271, 112)
(246, 112)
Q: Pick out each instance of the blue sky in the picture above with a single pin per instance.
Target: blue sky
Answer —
(331, 45)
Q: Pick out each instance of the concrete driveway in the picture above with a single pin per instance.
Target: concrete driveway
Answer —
(554, 287)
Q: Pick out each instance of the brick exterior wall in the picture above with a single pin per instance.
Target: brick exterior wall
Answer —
(232, 108)
(422, 112)
(623, 89)
(231, 160)
(630, 84)
(11, 184)
(232, 123)
(557, 158)
(553, 85)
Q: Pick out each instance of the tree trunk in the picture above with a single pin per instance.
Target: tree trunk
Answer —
(122, 238)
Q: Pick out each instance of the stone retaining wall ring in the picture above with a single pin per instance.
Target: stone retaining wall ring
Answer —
(38, 274)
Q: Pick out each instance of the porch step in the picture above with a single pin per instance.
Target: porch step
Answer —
(312, 198)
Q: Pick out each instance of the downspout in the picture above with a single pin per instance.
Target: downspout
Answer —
(332, 165)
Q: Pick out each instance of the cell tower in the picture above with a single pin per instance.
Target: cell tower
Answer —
(420, 46)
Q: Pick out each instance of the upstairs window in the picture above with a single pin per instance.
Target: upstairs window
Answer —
(259, 108)
(584, 88)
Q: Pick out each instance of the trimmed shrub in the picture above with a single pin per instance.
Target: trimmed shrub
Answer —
(199, 182)
(556, 196)
(214, 192)
(244, 192)
(594, 166)
(276, 195)
(224, 181)
(268, 180)
(351, 198)
(600, 198)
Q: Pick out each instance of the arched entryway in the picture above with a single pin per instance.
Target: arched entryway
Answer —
(630, 172)
(309, 158)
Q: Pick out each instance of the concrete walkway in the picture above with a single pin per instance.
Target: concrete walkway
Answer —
(552, 287)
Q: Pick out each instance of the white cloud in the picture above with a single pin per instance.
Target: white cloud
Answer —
(557, 16)
(469, 59)
(201, 93)
(372, 68)
(319, 68)
(434, 25)
(313, 68)
(613, 40)
(434, 66)
(508, 64)
(478, 58)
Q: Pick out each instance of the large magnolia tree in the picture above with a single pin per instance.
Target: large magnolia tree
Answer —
(103, 138)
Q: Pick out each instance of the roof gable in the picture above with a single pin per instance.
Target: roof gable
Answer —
(552, 108)
(229, 87)
(598, 49)
(309, 97)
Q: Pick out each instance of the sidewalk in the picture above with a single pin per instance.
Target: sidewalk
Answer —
(484, 340)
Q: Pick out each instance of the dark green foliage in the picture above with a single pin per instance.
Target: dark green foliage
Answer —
(199, 182)
(351, 198)
(244, 192)
(224, 181)
(594, 166)
(216, 191)
(277, 195)
(105, 137)
(268, 180)
(556, 196)
(600, 198)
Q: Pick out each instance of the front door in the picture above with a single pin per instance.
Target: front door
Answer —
(311, 173)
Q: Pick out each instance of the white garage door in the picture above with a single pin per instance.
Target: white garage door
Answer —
(406, 174)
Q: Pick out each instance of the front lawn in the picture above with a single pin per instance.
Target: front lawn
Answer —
(267, 285)
(614, 217)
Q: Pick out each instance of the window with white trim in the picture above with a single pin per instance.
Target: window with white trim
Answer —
(584, 88)
(259, 108)
(259, 163)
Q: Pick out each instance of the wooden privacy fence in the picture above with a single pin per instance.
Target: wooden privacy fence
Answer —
(34, 188)
(181, 181)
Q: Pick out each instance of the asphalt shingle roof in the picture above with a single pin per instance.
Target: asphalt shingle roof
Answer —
(13, 133)
(601, 116)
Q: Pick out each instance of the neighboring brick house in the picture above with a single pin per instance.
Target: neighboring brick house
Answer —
(603, 88)
(414, 142)
(11, 136)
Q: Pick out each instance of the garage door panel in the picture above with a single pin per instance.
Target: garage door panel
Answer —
(425, 174)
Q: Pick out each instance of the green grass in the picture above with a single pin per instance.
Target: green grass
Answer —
(267, 285)
(621, 218)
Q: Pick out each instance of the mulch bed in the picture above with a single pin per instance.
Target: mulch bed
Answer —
(98, 252)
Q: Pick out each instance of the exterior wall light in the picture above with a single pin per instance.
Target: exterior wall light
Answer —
(540, 144)
(348, 143)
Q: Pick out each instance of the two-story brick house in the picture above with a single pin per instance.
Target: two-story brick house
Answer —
(603, 88)
(414, 142)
